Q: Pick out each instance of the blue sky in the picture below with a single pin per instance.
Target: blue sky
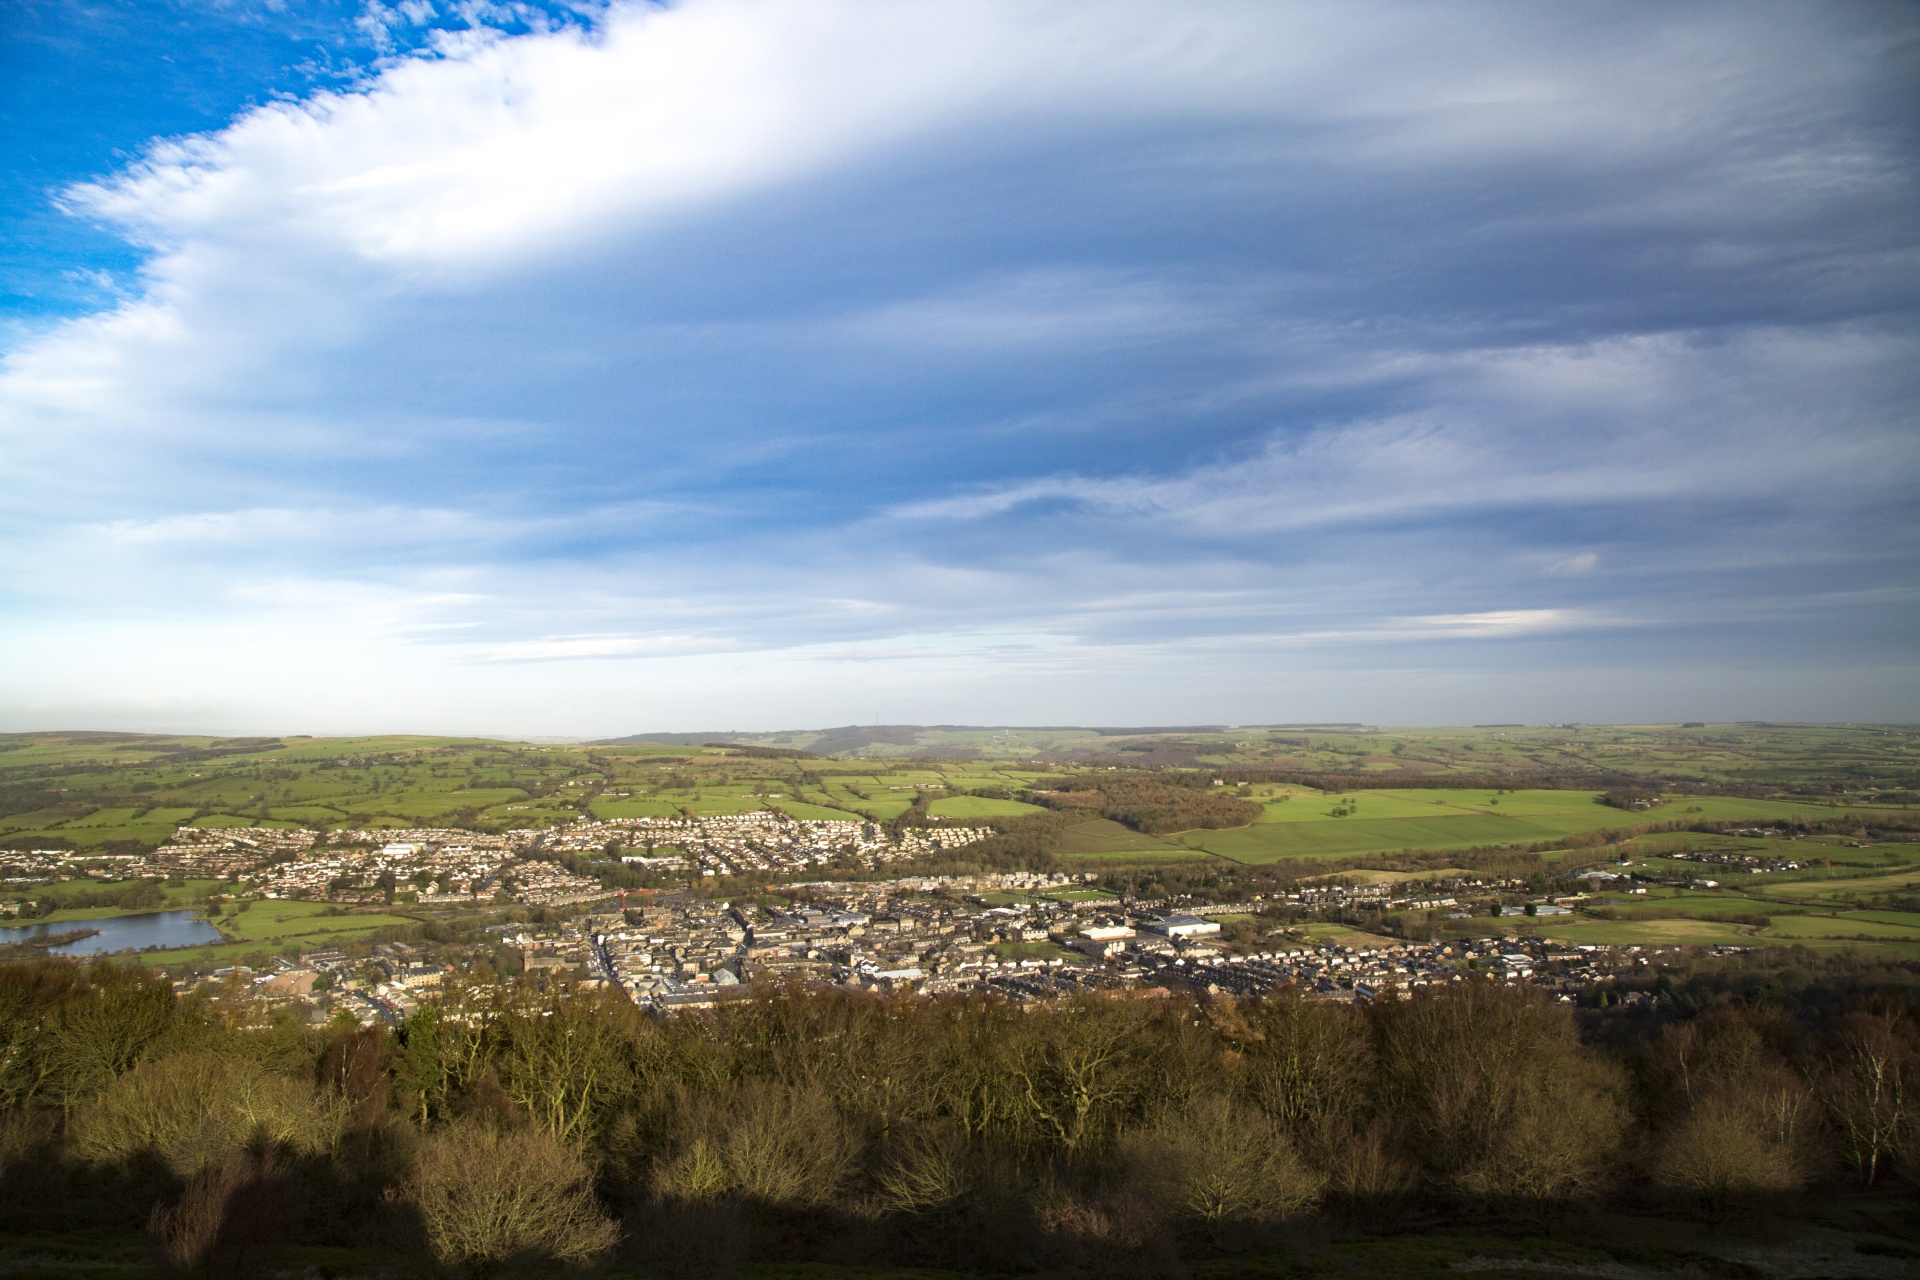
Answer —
(592, 369)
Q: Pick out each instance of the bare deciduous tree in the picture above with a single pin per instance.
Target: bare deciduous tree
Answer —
(1867, 1088)
(487, 1197)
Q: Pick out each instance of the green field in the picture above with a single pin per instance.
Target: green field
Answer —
(1894, 925)
(1329, 933)
(271, 925)
(175, 898)
(1650, 921)
(815, 812)
(1821, 933)
(1684, 901)
(1820, 885)
(1103, 836)
(123, 792)
(1651, 933)
(635, 807)
(130, 787)
(1305, 826)
(980, 807)
(1077, 895)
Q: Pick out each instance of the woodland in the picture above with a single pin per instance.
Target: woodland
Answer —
(1143, 1134)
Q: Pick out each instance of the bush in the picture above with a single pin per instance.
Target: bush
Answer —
(195, 1111)
(232, 1221)
(928, 1168)
(1720, 1156)
(768, 1143)
(487, 1197)
(1215, 1162)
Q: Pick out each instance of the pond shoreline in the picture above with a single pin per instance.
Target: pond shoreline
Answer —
(132, 932)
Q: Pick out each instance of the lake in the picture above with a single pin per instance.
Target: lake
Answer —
(122, 933)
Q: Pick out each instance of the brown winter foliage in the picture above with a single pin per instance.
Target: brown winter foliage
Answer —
(970, 1133)
(1154, 803)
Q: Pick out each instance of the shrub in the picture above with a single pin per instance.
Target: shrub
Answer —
(1720, 1155)
(777, 1145)
(1216, 1162)
(488, 1197)
(195, 1110)
(928, 1168)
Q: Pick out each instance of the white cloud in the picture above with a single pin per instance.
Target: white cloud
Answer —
(412, 385)
(1500, 622)
(1583, 562)
(505, 143)
(1515, 430)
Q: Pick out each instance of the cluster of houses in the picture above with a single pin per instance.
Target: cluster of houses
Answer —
(1744, 861)
(37, 866)
(759, 841)
(1029, 937)
(680, 952)
(445, 865)
(219, 853)
(1345, 973)
(385, 986)
(1429, 895)
(1025, 936)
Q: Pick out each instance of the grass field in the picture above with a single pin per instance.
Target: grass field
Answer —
(1388, 877)
(97, 789)
(1898, 932)
(1892, 925)
(1104, 836)
(1071, 896)
(980, 807)
(816, 812)
(175, 898)
(270, 925)
(1816, 886)
(1305, 826)
(1686, 901)
(634, 807)
(1698, 933)
(1329, 933)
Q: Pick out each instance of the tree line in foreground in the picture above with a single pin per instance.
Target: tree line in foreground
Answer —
(1099, 1133)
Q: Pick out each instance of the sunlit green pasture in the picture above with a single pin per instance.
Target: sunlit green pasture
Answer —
(1691, 902)
(1386, 820)
(1901, 925)
(174, 898)
(271, 920)
(816, 812)
(1331, 933)
(1653, 933)
(1869, 930)
(1103, 836)
(1821, 883)
(1029, 950)
(980, 807)
(634, 807)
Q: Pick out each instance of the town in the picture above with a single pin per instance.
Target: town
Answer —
(1021, 935)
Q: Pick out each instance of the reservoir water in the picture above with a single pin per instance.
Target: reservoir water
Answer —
(123, 933)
